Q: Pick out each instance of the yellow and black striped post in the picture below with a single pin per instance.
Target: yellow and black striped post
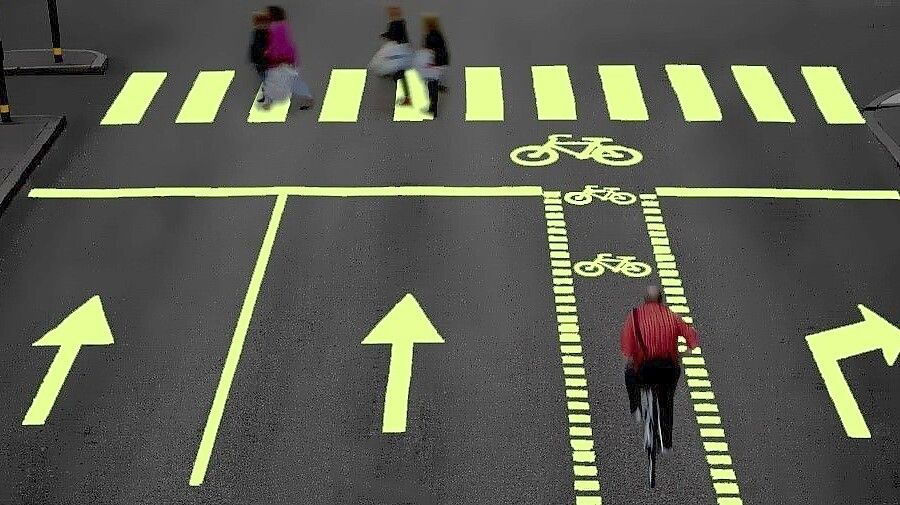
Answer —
(54, 31)
(4, 98)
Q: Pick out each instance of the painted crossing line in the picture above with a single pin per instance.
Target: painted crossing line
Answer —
(581, 438)
(709, 420)
(554, 97)
(133, 101)
(206, 95)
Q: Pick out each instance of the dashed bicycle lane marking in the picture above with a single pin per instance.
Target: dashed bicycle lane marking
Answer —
(584, 467)
(709, 420)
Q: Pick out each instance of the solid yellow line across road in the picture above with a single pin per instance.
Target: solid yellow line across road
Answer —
(226, 192)
(829, 194)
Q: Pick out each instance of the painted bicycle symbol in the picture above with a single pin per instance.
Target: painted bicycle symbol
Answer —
(600, 149)
(625, 265)
(593, 192)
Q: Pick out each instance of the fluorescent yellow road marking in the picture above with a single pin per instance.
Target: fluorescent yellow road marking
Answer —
(134, 99)
(553, 93)
(277, 113)
(419, 96)
(762, 94)
(585, 470)
(405, 325)
(830, 194)
(203, 101)
(318, 191)
(702, 396)
(580, 432)
(343, 96)
(718, 459)
(204, 452)
(588, 500)
(722, 474)
(587, 485)
(580, 444)
(828, 347)
(698, 102)
(725, 488)
(86, 325)
(484, 94)
(831, 95)
(622, 92)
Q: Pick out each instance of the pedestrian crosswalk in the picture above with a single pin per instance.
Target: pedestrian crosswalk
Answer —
(554, 96)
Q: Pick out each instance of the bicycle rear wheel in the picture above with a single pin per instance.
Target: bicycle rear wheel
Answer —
(653, 450)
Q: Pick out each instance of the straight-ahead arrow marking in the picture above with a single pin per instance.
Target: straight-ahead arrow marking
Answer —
(404, 326)
(85, 326)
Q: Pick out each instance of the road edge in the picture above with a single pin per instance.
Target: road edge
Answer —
(53, 127)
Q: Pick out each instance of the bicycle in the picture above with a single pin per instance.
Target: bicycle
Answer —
(606, 194)
(625, 265)
(600, 149)
(652, 428)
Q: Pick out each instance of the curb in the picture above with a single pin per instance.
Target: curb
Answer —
(97, 66)
(869, 112)
(52, 129)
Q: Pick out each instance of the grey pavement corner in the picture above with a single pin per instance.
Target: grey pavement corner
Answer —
(42, 62)
(25, 142)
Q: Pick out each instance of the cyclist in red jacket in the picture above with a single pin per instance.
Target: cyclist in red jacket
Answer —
(650, 344)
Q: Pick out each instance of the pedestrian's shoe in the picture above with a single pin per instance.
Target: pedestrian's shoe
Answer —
(429, 111)
(404, 101)
(666, 451)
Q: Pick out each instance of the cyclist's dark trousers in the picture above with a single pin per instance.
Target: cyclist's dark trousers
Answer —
(666, 374)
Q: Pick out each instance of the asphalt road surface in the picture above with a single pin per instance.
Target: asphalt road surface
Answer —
(369, 309)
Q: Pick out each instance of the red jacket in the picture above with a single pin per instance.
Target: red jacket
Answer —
(660, 329)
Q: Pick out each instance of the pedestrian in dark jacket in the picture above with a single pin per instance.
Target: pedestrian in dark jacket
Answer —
(396, 32)
(433, 40)
(258, 43)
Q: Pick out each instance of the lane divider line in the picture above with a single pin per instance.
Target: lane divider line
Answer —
(581, 436)
(217, 410)
(723, 477)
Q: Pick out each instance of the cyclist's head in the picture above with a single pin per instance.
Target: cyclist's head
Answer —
(653, 294)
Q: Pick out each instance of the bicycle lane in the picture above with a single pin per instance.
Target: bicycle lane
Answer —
(621, 229)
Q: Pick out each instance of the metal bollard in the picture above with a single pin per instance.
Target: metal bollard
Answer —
(5, 116)
(54, 30)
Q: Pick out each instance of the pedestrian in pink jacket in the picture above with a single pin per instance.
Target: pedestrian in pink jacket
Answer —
(281, 63)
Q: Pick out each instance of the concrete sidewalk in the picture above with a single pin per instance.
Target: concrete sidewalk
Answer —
(40, 62)
(24, 143)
